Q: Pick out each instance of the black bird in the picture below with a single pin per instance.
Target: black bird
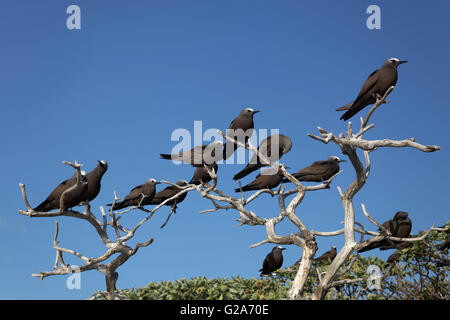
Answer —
(327, 256)
(319, 171)
(400, 227)
(443, 263)
(135, 196)
(278, 143)
(94, 178)
(375, 87)
(201, 175)
(168, 193)
(395, 257)
(398, 245)
(264, 180)
(273, 261)
(204, 154)
(71, 198)
(241, 129)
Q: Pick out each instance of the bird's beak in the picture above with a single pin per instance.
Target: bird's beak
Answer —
(255, 111)
(283, 249)
(287, 167)
(157, 182)
(402, 61)
(341, 160)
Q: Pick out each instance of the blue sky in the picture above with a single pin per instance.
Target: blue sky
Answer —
(136, 71)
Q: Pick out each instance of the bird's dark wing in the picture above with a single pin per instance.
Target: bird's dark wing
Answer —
(233, 124)
(317, 168)
(266, 263)
(135, 192)
(164, 194)
(368, 84)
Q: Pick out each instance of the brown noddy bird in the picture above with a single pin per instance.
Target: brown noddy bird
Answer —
(201, 175)
(374, 87)
(327, 256)
(264, 180)
(168, 193)
(395, 257)
(241, 129)
(204, 154)
(443, 263)
(399, 226)
(319, 171)
(71, 198)
(94, 178)
(273, 261)
(134, 198)
(278, 143)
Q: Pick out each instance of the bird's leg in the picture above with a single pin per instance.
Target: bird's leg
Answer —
(325, 182)
(378, 96)
(205, 185)
(172, 210)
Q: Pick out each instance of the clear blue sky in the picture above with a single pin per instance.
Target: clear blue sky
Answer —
(117, 88)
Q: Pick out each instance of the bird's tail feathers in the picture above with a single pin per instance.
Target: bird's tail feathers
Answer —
(194, 181)
(165, 156)
(42, 207)
(247, 170)
(346, 107)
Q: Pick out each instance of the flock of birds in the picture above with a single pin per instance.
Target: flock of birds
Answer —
(205, 157)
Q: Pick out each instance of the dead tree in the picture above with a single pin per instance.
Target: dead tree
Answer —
(305, 238)
(114, 247)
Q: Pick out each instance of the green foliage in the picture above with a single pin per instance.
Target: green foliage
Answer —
(202, 288)
(414, 277)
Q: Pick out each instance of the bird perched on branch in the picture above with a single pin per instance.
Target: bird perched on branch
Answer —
(201, 175)
(395, 257)
(94, 178)
(443, 263)
(142, 194)
(273, 261)
(273, 148)
(241, 129)
(328, 256)
(399, 226)
(264, 180)
(71, 198)
(373, 88)
(198, 156)
(168, 192)
(319, 171)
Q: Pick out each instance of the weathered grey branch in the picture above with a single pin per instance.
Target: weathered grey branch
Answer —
(348, 146)
(113, 247)
(378, 103)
